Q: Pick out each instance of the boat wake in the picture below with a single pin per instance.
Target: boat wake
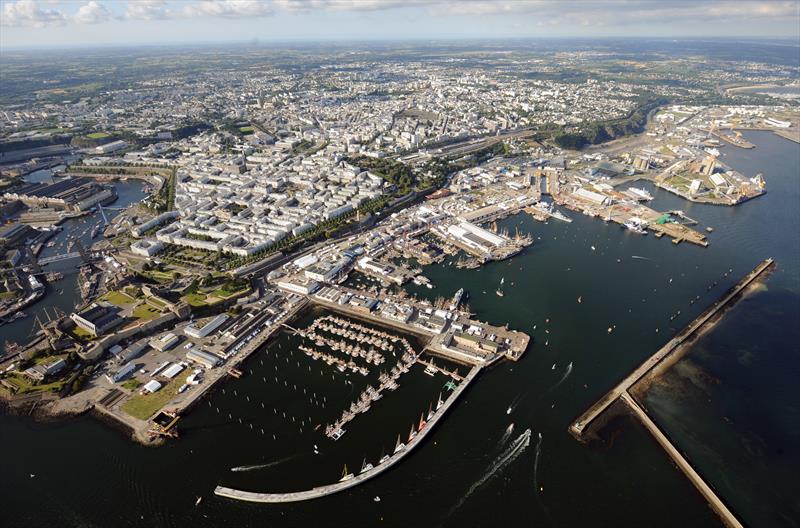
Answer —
(564, 377)
(536, 463)
(513, 451)
(262, 466)
(515, 402)
(507, 433)
(640, 258)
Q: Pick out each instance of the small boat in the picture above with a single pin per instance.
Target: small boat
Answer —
(399, 446)
(383, 459)
(198, 501)
(377, 499)
(553, 367)
(412, 433)
(365, 466)
(593, 248)
(345, 474)
(580, 299)
(508, 411)
(499, 293)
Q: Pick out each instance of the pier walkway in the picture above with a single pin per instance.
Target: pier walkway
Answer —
(672, 345)
(322, 491)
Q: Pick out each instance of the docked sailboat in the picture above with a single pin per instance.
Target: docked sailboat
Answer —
(399, 446)
(439, 403)
(365, 466)
(412, 433)
(345, 474)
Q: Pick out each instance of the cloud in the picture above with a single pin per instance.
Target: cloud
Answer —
(27, 13)
(228, 8)
(147, 10)
(552, 13)
(92, 13)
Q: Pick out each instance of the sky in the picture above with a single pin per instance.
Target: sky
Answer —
(64, 23)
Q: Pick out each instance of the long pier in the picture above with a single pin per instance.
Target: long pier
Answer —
(584, 420)
(322, 491)
(705, 490)
(672, 349)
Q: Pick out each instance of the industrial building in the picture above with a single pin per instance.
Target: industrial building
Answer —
(207, 329)
(204, 358)
(97, 318)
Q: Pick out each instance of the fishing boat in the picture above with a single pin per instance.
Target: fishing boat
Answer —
(345, 475)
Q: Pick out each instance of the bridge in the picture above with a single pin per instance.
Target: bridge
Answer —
(59, 258)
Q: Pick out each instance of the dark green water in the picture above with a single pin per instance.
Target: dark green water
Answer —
(89, 475)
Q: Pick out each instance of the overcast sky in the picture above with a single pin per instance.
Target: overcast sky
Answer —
(25, 23)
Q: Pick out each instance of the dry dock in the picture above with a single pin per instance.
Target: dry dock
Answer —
(322, 491)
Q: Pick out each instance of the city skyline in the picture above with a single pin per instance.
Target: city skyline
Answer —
(67, 23)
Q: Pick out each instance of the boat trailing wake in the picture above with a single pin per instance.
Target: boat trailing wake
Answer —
(516, 401)
(507, 433)
(509, 455)
(262, 466)
(536, 463)
(564, 377)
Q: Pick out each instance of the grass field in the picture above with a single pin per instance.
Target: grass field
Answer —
(143, 406)
(246, 130)
(97, 135)
(145, 312)
(25, 386)
(132, 384)
(118, 298)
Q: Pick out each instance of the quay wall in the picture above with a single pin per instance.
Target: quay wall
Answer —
(323, 491)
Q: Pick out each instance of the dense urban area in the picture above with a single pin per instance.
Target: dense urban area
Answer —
(282, 183)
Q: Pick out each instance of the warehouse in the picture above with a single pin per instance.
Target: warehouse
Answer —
(203, 357)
